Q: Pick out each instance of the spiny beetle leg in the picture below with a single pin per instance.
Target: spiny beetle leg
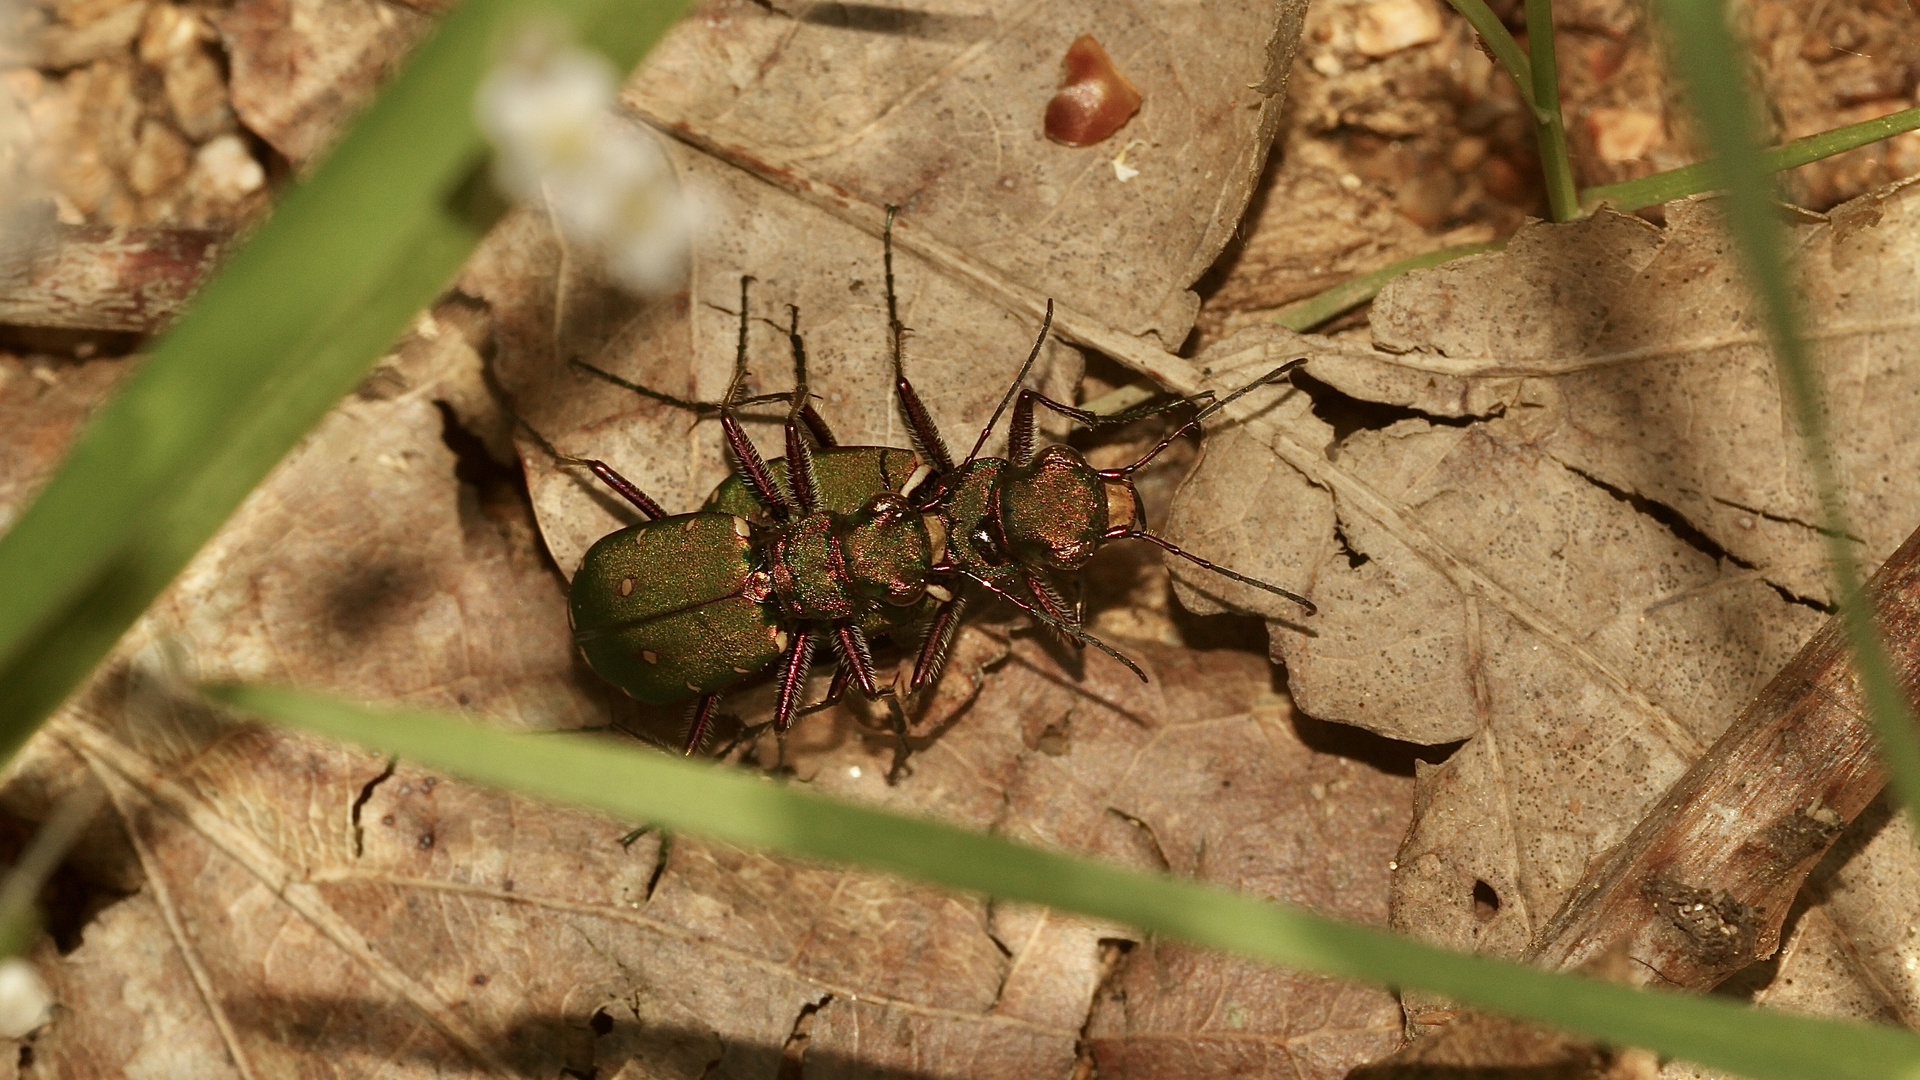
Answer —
(793, 677)
(1075, 632)
(1046, 324)
(938, 643)
(920, 427)
(621, 486)
(836, 690)
(857, 655)
(1194, 424)
(700, 723)
(1020, 434)
(753, 468)
(822, 434)
(1055, 605)
(801, 477)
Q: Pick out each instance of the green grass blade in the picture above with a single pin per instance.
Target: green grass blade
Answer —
(1303, 315)
(1563, 201)
(1694, 179)
(744, 808)
(287, 326)
(1714, 72)
(1506, 51)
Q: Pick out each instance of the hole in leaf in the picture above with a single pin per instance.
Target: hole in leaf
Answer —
(1486, 902)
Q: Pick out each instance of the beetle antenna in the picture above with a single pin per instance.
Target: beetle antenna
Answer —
(1194, 424)
(1046, 324)
(1168, 546)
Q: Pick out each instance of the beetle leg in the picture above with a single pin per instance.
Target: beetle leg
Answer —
(858, 656)
(836, 690)
(801, 478)
(753, 468)
(822, 434)
(938, 643)
(699, 723)
(622, 486)
(1020, 434)
(925, 436)
(1124, 533)
(1077, 633)
(1194, 424)
(1046, 324)
(1049, 598)
(793, 677)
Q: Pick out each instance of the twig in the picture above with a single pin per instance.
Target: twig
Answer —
(1701, 886)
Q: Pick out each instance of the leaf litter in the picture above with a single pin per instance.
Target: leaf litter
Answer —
(1551, 504)
(379, 953)
(294, 906)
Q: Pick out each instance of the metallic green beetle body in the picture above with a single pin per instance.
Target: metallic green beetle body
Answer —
(692, 604)
(672, 609)
(887, 561)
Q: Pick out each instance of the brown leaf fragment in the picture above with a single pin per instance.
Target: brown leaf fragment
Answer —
(301, 69)
(938, 119)
(1484, 1045)
(1701, 886)
(91, 277)
(1095, 99)
(1569, 524)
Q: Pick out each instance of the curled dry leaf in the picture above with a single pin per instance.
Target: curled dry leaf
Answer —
(1557, 510)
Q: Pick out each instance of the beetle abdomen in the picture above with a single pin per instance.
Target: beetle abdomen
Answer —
(671, 609)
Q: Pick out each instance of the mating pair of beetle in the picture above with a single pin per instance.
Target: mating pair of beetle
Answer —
(844, 543)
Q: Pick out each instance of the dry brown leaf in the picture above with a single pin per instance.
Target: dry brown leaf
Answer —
(1558, 512)
(794, 148)
(301, 69)
(307, 908)
(312, 908)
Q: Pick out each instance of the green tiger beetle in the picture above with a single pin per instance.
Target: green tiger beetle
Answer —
(845, 543)
(821, 545)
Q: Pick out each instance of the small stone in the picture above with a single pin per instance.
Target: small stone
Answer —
(168, 35)
(1624, 134)
(227, 170)
(161, 158)
(25, 1003)
(1387, 26)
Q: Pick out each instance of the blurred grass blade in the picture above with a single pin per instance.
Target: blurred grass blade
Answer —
(744, 808)
(1714, 70)
(1694, 179)
(285, 329)
(1506, 51)
(1549, 132)
(1304, 315)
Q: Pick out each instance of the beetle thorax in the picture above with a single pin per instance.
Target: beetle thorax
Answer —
(1053, 510)
(809, 570)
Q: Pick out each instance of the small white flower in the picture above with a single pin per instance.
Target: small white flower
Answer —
(549, 111)
(25, 1002)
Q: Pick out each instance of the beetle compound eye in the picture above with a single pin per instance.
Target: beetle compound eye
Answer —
(1094, 101)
